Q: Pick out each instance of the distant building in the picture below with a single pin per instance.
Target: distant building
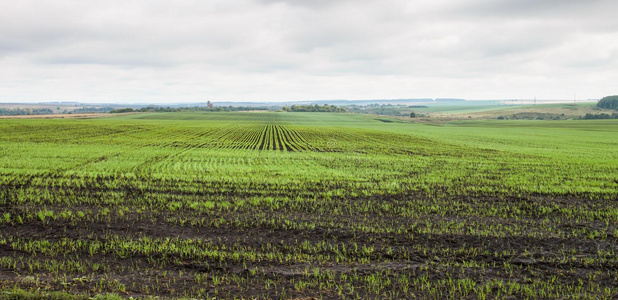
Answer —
(209, 105)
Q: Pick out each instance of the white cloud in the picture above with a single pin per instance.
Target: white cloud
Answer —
(161, 51)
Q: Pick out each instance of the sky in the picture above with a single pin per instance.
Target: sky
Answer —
(158, 51)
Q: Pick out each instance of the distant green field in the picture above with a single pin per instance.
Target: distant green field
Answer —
(280, 205)
(486, 106)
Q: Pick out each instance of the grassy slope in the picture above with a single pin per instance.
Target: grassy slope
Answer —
(565, 110)
(128, 145)
(353, 180)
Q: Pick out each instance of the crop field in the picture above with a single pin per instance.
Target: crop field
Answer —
(308, 205)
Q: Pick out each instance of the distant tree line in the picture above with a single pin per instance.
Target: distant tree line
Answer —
(145, 109)
(179, 109)
(122, 110)
(610, 102)
(92, 110)
(590, 116)
(293, 108)
(25, 111)
(314, 108)
(224, 108)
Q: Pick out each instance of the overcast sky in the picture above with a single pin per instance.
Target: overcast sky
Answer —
(282, 50)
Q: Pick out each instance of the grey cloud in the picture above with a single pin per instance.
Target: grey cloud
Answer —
(531, 8)
(313, 4)
(246, 49)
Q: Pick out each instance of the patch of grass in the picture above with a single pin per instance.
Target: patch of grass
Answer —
(293, 205)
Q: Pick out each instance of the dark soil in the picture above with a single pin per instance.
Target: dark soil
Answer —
(436, 257)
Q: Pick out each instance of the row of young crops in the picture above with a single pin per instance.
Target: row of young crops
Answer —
(308, 205)
(266, 137)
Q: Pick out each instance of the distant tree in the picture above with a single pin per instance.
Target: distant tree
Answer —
(122, 110)
(590, 116)
(610, 102)
(412, 115)
(25, 111)
(93, 110)
(214, 108)
(314, 108)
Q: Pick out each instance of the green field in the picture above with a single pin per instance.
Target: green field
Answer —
(296, 205)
